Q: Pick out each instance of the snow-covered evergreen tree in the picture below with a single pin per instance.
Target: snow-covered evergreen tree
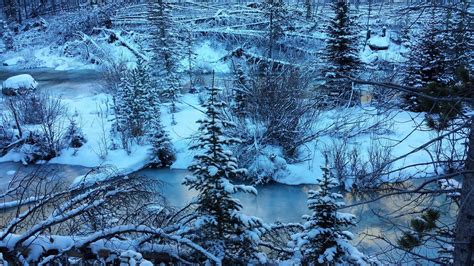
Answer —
(324, 240)
(426, 60)
(74, 137)
(221, 227)
(426, 64)
(135, 104)
(165, 48)
(458, 38)
(163, 154)
(341, 53)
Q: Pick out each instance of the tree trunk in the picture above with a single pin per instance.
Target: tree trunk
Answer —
(464, 240)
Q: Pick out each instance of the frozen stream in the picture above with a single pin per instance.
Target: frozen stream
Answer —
(66, 84)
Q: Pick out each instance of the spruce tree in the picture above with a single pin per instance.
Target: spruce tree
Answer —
(163, 154)
(324, 240)
(426, 58)
(134, 104)
(165, 48)
(426, 62)
(459, 37)
(221, 228)
(341, 53)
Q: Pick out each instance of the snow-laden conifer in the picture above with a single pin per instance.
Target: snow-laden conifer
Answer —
(221, 227)
(325, 239)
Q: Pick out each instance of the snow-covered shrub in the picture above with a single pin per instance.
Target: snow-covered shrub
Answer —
(355, 167)
(278, 102)
(36, 148)
(19, 85)
(30, 108)
(268, 165)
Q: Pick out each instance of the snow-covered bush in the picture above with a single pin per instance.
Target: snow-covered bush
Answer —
(19, 85)
(30, 108)
(268, 165)
(358, 168)
(276, 113)
(36, 148)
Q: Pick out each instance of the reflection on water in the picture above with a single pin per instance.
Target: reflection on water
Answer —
(274, 202)
(284, 203)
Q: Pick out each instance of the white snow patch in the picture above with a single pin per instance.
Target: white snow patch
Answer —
(14, 61)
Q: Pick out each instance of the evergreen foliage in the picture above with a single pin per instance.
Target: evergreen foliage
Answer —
(241, 92)
(163, 154)
(136, 101)
(324, 240)
(277, 23)
(341, 53)
(74, 136)
(221, 228)
(426, 60)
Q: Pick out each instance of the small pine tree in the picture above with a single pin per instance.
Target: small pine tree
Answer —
(324, 241)
(222, 229)
(163, 154)
(136, 105)
(74, 136)
(165, 48)
(340, 55)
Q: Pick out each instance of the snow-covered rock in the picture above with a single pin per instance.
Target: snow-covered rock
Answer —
(14, 61)
(19, 84)
(379, 43)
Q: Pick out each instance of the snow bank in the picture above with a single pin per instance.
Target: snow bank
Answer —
(19, 85)
(14, 61)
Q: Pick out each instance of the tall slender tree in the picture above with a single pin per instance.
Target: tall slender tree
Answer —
(426, 64)
(221, 228)
(165, 48)
(277, 20)
(341, 53)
